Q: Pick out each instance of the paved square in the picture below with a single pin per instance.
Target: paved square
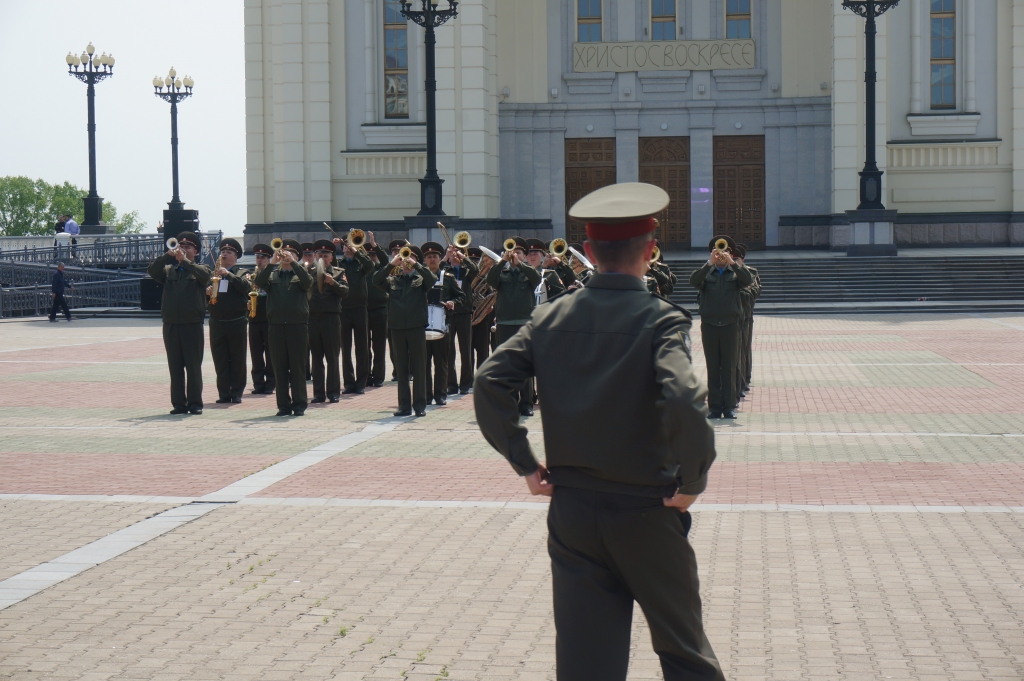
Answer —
(864, 520)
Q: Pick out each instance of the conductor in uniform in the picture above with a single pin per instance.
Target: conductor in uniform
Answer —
(628, 449)
(183, 310)
(229, 320)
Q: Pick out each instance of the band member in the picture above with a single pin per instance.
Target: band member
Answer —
(183, 310)
(308, 261)
(287, 287)
(657, 281)
(516, 283)
(583, 273)
(628, 449)
(229, 320)
(748, 296)
(460, 324)
(377, 315)
(659, 265)
(328, 295)
(446, 293)
(718, 284)
(394, 247)
(484, 317)
(551, 269)
(407, 320)
(259, 330)
(358, 270)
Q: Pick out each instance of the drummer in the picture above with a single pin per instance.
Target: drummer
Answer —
(441, 300)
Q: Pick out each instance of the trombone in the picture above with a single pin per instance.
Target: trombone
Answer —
(461, 241)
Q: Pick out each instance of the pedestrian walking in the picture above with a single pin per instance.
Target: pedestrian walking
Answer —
(57, 288)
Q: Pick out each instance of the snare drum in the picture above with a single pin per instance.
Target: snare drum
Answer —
(436, 327)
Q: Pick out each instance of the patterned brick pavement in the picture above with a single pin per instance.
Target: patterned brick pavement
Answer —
(893, 412)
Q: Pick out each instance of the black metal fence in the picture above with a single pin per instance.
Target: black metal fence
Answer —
(124, 251)
(22, 301)
(37, 274)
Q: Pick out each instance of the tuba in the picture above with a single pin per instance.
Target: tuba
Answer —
(484, 296)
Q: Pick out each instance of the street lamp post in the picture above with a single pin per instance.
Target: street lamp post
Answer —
(871, 176)
(430, 17)
(177, 89)
(91, 69)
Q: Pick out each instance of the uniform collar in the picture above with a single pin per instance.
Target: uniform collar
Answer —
(620, 282)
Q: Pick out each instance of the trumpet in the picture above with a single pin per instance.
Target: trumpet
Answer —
(510, 245)
(721, 245)
(172, 244)
(276, 243)
(656, 255)
(559, 247)
(405, 253)
(356, 238)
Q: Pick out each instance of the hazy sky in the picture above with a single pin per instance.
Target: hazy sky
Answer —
(43, 113)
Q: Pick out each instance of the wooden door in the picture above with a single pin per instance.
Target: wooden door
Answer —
(739, 189)
(589, 165)
(665, 163)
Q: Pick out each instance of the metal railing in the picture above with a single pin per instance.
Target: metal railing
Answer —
(124, 251)
(37, 274)
(22, 301)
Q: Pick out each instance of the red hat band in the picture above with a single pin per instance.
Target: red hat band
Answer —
(620, 231)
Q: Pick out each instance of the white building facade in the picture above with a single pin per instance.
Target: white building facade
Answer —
(749, 112)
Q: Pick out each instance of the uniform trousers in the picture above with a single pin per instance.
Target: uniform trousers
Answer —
(608, 550)
(750, 352)
(259, 352)
(377, 320)
(289, 352)
(482, 339)
(461, 329)
(506, 331)
(227, 345)
(437, 354)
(354, 324)
(184, 344)
(739, 379)
(325, 344)
(59, 302)
(721, 347)
(410, 359)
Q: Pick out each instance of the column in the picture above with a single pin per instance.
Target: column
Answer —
(255, 161)
(916, 23)
(1018, 105)
(289, 163)
(317, 94)
(702, 176)
(847, 107)
(370, 42)
(970, 57)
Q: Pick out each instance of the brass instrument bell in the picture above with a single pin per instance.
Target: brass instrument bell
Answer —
(510, 245)
(356, 238)
(172, 244)
(276, 243)
(721, 245)
(462, 240)
(655, 255)
(405, 253)
(559, 247)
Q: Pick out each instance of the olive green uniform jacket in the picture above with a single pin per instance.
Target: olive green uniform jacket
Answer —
(469, 272)
(184, 296)
(649, 385)
(515, 286)
(333, 297)
(719, 294)
(359, 272)
(234, 302)
(287, 293)
(407, 296)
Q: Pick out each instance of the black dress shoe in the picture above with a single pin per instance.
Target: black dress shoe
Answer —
(440, 402)
(333, 399)
(714, 414)
(224, 400)
(348, 391)
(453, 390)
(299, 412)
(358, 391)
(378, 384)
(465, 391)
(403, 412)
(284, 412)
(236, 400)
(420, 412)
(256, 391)
(195, 410)
(728, 414)
(175, 412)
(526, 412)
(318, 400)
(268, 391)
(394, 379)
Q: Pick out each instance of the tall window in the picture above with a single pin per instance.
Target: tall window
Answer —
(396, 62)
(737, 19)
(588, 21)
(943, 54)
(663, 19)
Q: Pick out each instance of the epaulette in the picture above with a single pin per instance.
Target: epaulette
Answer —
(682, 309)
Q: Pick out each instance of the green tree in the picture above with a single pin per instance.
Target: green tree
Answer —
(31, 207)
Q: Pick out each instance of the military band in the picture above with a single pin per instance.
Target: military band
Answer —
(337, 296)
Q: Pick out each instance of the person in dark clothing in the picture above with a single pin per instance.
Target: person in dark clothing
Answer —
(259, 329)
(325, 325)
(57, 288)
(460, 325)
(719, 283)
(628, 449)
(444, 293)
(358, 269)
(377, 315)
(229, 319)
(183, 309)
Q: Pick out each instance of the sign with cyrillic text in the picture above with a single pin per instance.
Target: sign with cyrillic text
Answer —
(669, 55)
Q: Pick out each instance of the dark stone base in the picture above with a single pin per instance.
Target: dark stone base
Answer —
(874, 250)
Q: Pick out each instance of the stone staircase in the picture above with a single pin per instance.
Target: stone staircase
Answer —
(840, 284)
